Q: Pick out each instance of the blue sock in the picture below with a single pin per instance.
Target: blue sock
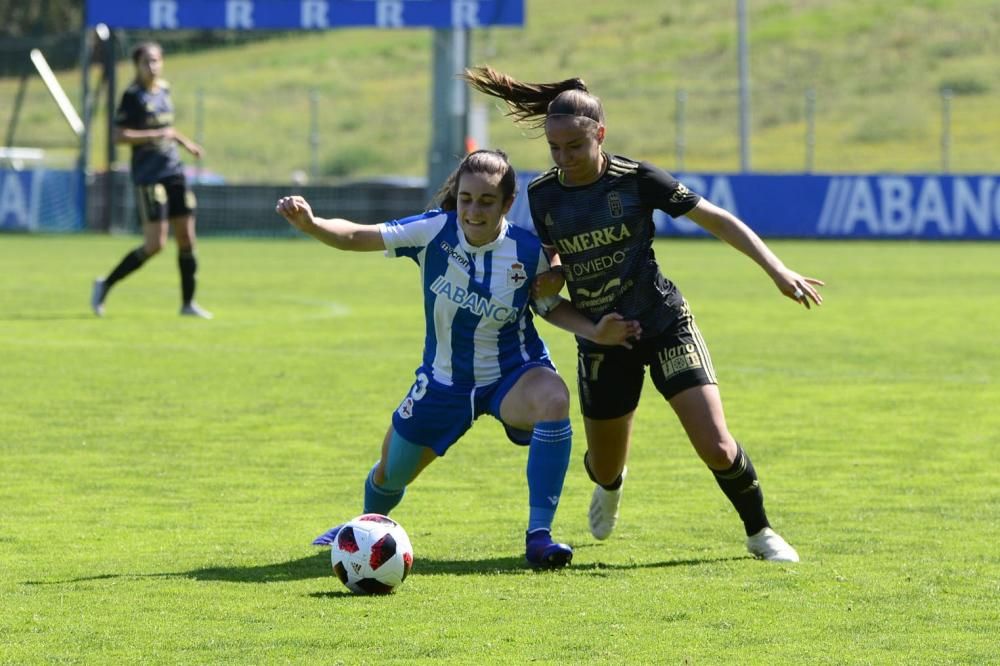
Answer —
(548, 460)
(380, 500)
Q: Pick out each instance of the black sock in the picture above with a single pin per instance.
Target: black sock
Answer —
(188, 265)
(614, 485)
(131, 262)
(740, 485)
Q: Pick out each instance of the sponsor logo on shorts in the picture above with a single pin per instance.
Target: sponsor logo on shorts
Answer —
(681, 358)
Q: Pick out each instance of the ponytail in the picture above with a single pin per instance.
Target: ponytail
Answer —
(534, 102)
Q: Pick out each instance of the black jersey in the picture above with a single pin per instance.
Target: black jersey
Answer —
(604, 232)
(142, 109)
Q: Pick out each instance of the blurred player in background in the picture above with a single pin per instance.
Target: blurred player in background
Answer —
(593, 211)
(482, 354)
(144, 120)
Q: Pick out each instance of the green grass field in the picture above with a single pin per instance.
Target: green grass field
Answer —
(162, 477)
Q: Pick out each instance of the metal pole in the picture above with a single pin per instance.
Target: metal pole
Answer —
(108, 53)
(199, 128)
(946, 95)
(18, 101)
(744, 56)
(680, 140)
(810, 129)
(313, 135)
(450, 106)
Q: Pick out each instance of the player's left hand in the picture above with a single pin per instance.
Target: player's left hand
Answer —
(614, 330)
(194, 149)
(799, 288)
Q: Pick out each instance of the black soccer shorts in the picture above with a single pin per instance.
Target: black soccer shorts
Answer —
(610, 378)
(168, 198)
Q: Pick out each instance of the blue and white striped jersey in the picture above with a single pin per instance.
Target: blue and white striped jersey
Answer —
(476, 311)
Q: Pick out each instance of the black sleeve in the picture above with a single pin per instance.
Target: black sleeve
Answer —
(129, 114)
(658, 189)
(536, 219)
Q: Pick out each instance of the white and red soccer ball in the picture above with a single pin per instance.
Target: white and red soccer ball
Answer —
(372, 554)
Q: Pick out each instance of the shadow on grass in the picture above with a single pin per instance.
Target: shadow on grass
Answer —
(318, 566)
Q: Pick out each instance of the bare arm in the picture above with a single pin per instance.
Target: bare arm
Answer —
(135, 137)
(338, 233)
(727, 227)
(612, 330)
(552, 281)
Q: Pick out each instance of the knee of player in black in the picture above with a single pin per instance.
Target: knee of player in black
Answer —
(614, 485)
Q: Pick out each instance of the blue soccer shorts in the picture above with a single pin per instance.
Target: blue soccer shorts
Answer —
(436, 416)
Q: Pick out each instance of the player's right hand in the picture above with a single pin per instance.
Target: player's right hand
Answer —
(296, 210)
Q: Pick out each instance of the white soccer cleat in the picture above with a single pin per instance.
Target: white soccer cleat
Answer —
(97, 297)
(604, 509)
(192, 309)
(768, 545)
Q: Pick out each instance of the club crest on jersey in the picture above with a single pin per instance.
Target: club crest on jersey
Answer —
(406, 408)
(516, 275)
(615, 204)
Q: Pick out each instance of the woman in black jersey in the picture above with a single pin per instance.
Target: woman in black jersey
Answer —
(593, 211)
(144, 120)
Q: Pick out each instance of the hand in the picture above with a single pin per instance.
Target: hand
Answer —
(296, 210)
(614, 330)
(547, 284)
(194, 148)
(799, 288)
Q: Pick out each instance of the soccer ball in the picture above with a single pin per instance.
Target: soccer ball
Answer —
(372, 554)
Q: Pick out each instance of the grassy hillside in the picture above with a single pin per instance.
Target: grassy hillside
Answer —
(877, 70)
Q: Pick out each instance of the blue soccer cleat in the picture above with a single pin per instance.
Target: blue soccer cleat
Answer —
(542, 552)
(327, 538)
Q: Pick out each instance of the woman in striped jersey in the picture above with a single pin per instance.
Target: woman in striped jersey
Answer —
(482, 354)
(593, 211)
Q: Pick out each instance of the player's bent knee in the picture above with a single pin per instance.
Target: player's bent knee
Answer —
(719, 455)
(554, 406)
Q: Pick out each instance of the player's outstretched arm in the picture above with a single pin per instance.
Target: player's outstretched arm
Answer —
(612, 330)
(335, 232)
(726, 226)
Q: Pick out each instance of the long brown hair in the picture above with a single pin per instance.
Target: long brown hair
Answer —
(534, 102)
(489, 162)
